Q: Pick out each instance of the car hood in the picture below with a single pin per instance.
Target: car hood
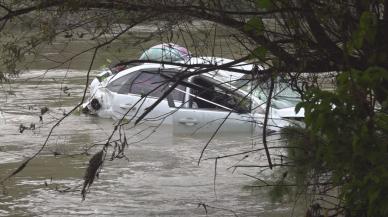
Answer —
(290, 113)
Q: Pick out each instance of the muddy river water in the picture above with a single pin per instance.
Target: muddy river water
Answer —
(160, 177)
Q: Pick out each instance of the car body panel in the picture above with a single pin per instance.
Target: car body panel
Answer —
(198, 121)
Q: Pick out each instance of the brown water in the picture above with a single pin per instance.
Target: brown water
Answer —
(160, 178)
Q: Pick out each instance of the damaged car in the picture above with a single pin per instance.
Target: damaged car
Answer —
(202, 103)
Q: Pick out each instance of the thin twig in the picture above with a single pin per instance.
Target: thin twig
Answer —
(268, 107)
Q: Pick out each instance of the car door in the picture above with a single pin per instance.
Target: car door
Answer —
(208, 109)
(138, 92)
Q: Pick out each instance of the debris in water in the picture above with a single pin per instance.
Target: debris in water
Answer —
(65, 89)
(43, 110)
(68, 35)
(81, 35)
(95, 164)
(22, 128)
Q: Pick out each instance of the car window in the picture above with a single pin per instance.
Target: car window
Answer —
(208, 95)
(282, 97)
(161, 54)
(118, 84)
(145, 83)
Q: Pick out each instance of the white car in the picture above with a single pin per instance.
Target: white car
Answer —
(198, 104)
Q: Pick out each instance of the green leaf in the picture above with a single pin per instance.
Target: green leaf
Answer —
(368, 24)
(298, 107)
(254, 24)
(265, 4)
(358, 40)
(367, 29)
(373, 195)
(259, 52)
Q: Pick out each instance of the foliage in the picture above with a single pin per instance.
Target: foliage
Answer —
(344, 144)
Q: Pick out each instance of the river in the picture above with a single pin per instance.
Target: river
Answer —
(161, 176)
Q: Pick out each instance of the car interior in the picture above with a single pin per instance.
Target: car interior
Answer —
(209, 95)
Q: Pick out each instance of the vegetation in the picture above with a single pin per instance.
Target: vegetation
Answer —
(342, 152)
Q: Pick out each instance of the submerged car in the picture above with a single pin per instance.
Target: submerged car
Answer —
(199, 104)
(166, 52)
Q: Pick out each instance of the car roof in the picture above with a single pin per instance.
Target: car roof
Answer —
(140, 67)
(221, 76)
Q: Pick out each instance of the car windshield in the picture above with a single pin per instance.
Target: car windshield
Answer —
(283, 95)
